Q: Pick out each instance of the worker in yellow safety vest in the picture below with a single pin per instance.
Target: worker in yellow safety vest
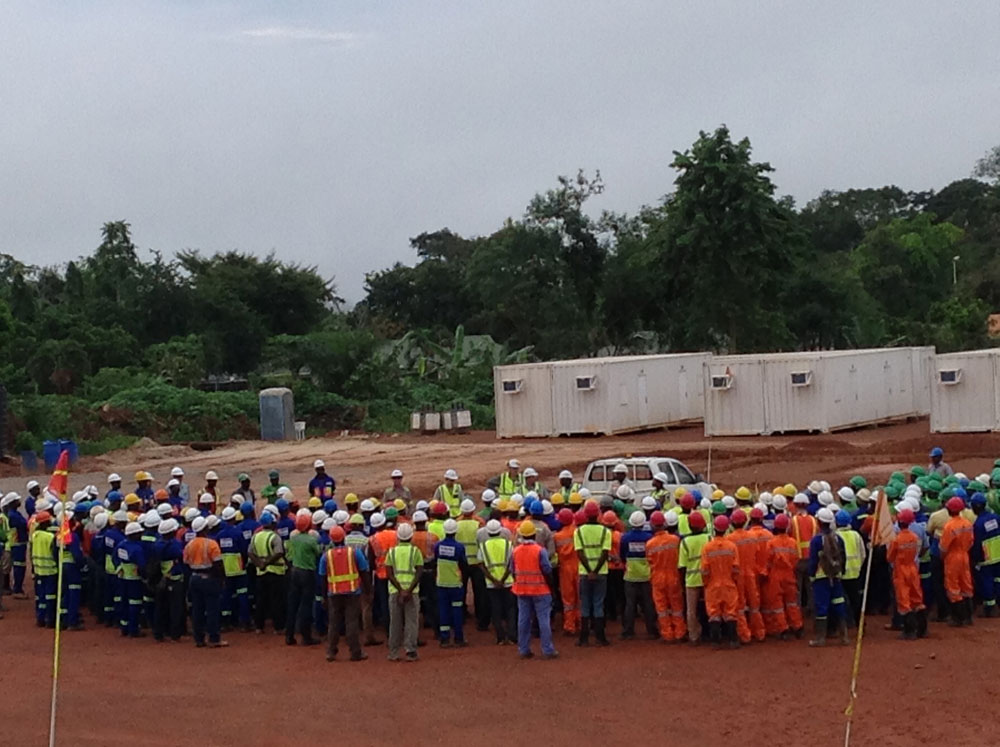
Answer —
(450, 493)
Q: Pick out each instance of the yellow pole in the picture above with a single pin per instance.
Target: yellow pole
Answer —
(55, 656)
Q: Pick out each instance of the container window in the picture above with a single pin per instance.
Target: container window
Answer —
(950, 376)
(722, 381)
(802, 378)
(512, 386)
(586, 383)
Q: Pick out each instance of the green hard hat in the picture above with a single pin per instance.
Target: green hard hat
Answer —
(718, 507)
(857, 482)
(618, 506)
(391, 513)
(917, 470)
(274, 474)
(897, 476)
(947, 493)
(951, 480)
(893, 490)
(975, 487)
(242, 477)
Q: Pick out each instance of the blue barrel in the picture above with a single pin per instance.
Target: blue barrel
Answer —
(70, 446)
(50, 453)
(29, 460)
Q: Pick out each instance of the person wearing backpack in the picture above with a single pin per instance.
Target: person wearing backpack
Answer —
(826, 569)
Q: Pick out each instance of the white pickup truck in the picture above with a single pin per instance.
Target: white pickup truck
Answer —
(599, 475)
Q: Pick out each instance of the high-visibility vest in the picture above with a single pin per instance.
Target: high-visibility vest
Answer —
(690, 553)
(449, 575)
(592, 539)
(508, 486)
(452, 498)
(381, 543)
(232, 561)
(262, 549)
(466, 534)
(567, 492)
(496, 552)
(852, 548)
(528, 577)
(637, 568)
(357, 539)
(405, 560)
(342, 575)
(436, 527)
(126, 568)
(991, 545)
(804, 528)
(43, 562)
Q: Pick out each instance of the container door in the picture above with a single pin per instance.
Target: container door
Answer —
(643, 402)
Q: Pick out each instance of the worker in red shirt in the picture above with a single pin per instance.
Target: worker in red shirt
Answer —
(904, 555)
(720, 568)
(781, 611)
(956, 541)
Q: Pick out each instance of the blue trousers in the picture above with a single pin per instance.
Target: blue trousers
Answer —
(987, 581)
(828, 597)
(592, 594)
(19, 564)
(45, 599)
(539, 606)
(132, 593)
(110, 598)
(206, 605)
(71, 595)
(236, 600)
(451, 606)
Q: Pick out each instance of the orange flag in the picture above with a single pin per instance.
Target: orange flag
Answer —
(882, 530)
(59, 483)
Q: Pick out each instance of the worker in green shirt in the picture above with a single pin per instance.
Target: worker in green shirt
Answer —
(270, 491)
(302, 552)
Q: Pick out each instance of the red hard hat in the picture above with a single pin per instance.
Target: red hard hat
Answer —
(696, 521)
(591, 509)
(721, 523)
(609, 518)
(687, 501)
(756, 513)
(781, 521)
(565, 516)
(955, 505)
(906, 516)
(440, 509)
(302, 523)
(42, 516)
(738, 518)
(657, 519)
(336, 534)
(580, 517)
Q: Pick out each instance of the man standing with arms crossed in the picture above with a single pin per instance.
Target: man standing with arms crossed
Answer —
(592, 542)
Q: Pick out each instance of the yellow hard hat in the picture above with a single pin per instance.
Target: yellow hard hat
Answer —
(315, 502)
(575, 499)
(679, 492)
(131, 499)
(557, 499)
(743, 493)
(526, 529)
(400, 504)
(790, 491)
(350, 499)
(717, 494)
(141, 475)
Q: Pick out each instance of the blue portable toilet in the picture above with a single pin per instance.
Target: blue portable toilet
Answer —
(50, 454)
(70, 446)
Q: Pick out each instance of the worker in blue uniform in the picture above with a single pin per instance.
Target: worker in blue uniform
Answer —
(322, 486)
(985, 554)
(452, 568)
(235, 593)
(34, 490)
(18, 546)
(114, 607)
(169, 589)
(285, 523)
(150, 523)
(44, 568)
(826, 571)
(247, 526)
(131, 572)
(74, 564)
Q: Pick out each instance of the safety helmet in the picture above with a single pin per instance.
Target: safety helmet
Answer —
(937, 451)
(530, 472)
(467, 506)
(717, 494)
(755, 513)
(955, 505)
(391, 513)
(337, 534)
(396, 473)
(729, 502)
(824, 516)
(133, 527)
(649, 503)
(565, 516)
(493, 527)
(825, 498)
(314, 502)
(151, 519)
(450, 475)
(419, 517)
(843, 518)
(637, 519)
(211, 475)
(721, 523)
(351, 499)
(356, 520)
(565, 475)
(781, 522)
(205, 498)
(905, 516)
(266, 518)
(535, 508)
(738, 518)
(212, 521)
(377, 519)
(657, 519)
(132, 499)
(743, 493)
(575, 499)
(488, 496)
(671, 518)
(526, 529)
(609, 519)
(591, 510)
(450, 526)
(661, 477)
(696, 520)
(557, 499)
(405, 532)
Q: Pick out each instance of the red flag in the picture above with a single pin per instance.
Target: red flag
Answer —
(59, 484)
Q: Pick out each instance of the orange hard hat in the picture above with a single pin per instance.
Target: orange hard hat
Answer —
(738, 518)
(42, 516)
(161, 495)
(337, 534)
(302, 523)
(609, 518)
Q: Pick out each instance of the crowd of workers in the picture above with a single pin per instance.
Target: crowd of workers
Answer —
(730, 568)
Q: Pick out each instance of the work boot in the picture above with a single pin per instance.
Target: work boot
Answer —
(922, 623)
(734, 638)
(715, 633)
(819, 630)
(909, 627)
(969, 609)
(599, 632)
(584, 639)
(956, 610)
(844, 633)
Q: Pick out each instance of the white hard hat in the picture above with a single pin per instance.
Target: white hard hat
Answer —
(396, 473)
(367, 505)
(270, 508)
(43, 504)
(467, 506)
(846, 494)
(451, 475)
(493, 526)
(328, 524)
(824, 485)
(913, 502)
(546, 507)
(514, 464)
(766, 498)
(31, 484)
(165, 509)
(637, 519)
(318, 463)
(419, 516)
(450, 526)
(319, 517)
(705, 503)
(517, 498)
(760, 506)
(303, 512)
(779, 502)
(671, 518)
(584, 493)
(863, 495)
(101, 521)
(151, 519)
(57, 507)
(531, 495)
(624, 492)
(236, 498)
(79, 496)
(206, 498)
(824, 516)
(191, 514)
(169, 526)
(530, 472)
(120, 516)
(648, 503)
(825, 497)
(377, 519)
(619, 468)
(984, 479)
(133, 527)
(8, 499)
(199, 524)
(565, 475)
(210, 475)
(228, 513)
(172, 483)
(961, 476)
(489, 496)
(340, 516)
(815, 487)
(91, 491)
(96, 509)
(177, 472)
(405, 532)
(113, 477)
(728, 501)
(661, 477)
(212, 521)
(801, 499)
(422, 506)
(913, 489)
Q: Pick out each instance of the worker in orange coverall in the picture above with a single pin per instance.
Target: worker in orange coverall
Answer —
(782, 614)
(668, 593)
(749, 619)
(720, 568)
(904, 555)
(956, 541)
(569, 589)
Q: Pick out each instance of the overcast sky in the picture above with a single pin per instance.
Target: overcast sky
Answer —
(332, 132)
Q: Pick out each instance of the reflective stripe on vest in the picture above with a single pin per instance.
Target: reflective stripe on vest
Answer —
(991, 550)
(528, 577)
(497, 551)
(852, 547)
(404, 564)
(43, 563)
(262, 549)
(166, 566)
(450, 497)
(466, 534)
(232, 561)
(342, 575)
(803, 544)
(592, 550)
(449, 575)
(128, 570)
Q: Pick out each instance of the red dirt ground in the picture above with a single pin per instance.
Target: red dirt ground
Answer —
(258, 691)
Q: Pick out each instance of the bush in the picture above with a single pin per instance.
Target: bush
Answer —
(111, 442)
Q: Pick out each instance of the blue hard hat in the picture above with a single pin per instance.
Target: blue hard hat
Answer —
(937, 451)
(82, 507)
(267, 518)
(246, 509)
(114, 495)
(330, 506)
(281, 504)
(960, 493)
(696, 494)
(536, 508)
(843, 518)
(978, 499)
(963, 481)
